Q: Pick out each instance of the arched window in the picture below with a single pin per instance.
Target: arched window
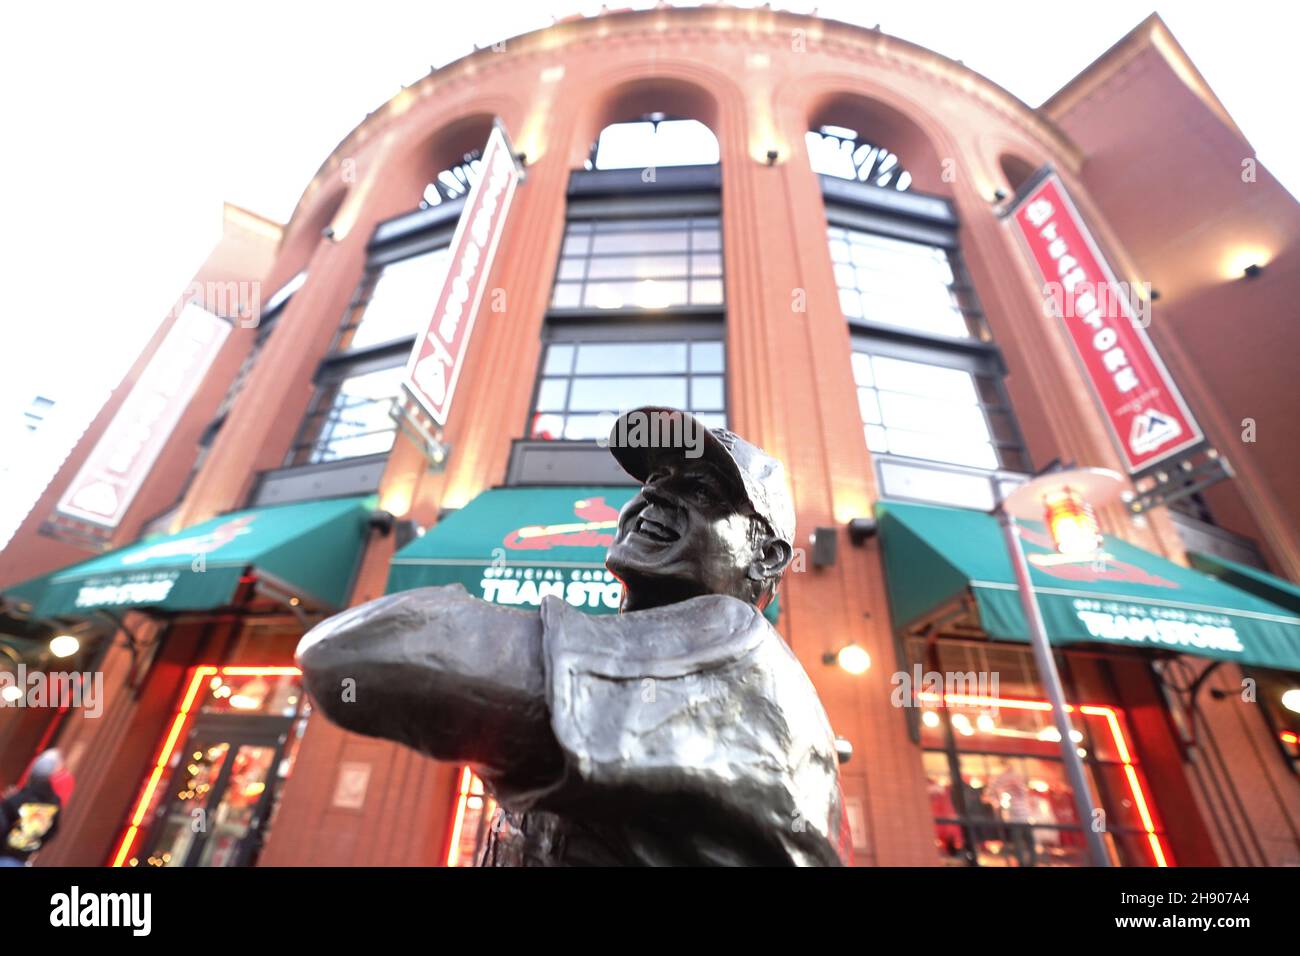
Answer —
(454, 182)
(841, 152)
(655, 139)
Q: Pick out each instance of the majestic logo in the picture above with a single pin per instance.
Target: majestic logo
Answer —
(595, 530)
(1151, 429)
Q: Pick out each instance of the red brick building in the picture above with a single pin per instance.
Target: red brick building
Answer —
(814, 242)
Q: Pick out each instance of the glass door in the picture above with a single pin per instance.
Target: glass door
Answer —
(212, 798)
(219, 796)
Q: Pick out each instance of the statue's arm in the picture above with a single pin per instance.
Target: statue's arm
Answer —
(445, 673)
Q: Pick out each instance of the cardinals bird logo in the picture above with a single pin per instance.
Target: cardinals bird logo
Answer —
(594, 530)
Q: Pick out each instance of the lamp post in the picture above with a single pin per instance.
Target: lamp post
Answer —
(1065, 499)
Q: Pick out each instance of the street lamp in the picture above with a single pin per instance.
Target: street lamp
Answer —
(1064, 501)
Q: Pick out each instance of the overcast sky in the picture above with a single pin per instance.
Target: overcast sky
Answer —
(125, 131)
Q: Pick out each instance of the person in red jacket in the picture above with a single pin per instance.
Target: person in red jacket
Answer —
(29, 814)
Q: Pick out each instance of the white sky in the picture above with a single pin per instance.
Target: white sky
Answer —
(124, 132)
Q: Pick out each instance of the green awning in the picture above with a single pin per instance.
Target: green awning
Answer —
(1132, 598)
(1271, 588)
(514, 546)
(24, 595)
(309, 550)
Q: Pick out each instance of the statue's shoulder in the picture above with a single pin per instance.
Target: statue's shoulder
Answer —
(702, 632)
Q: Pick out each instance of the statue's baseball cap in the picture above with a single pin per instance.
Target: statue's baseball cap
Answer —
(646, 436)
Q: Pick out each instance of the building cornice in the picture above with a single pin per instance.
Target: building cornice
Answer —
(727, 24)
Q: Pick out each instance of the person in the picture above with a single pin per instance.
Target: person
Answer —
(29, 816)
(682, 731)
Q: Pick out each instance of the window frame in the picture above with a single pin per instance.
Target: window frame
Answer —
(983, 362)
(912, 216)
(377, 261)
(625, 207)
(630, 330)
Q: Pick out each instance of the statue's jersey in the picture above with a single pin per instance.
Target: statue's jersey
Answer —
(691, 735)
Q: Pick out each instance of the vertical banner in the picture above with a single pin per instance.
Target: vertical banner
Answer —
(1147, 416)
(108, 481)
(435, 363)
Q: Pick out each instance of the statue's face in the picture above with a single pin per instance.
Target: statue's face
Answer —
(682, 536)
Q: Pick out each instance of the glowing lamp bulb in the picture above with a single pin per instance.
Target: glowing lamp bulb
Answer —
(853, 658)
(64, 645)
(1291, 699)
(1072, 524)
(11, 693)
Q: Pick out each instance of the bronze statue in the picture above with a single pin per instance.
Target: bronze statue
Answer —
(681, 731)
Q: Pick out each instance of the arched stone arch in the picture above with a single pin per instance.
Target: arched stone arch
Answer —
(444, 148)
(884, 124)
(690, 93)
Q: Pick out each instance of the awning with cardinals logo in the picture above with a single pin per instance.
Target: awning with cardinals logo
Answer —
(515, 546)
(939, 560)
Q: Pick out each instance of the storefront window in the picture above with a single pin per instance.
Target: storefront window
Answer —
(224, 756)
(585, 382)
(1013, 804)
(644, 264)
(1278, 692)
(254, 693)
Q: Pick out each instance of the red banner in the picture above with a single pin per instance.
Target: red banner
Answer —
(439, 353)
(1147, 416)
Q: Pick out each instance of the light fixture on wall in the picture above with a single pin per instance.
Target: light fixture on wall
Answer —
(852, 658)
(1253, 270)
(860, 529)
(772, 156)
(64, 645)
(1291, 700)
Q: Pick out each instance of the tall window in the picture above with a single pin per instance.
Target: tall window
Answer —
(891, 281)
(636, 313)
(928, 376)
(349, 414)
(951, 412)
(395, 300)
(640, 263)
(591, 373)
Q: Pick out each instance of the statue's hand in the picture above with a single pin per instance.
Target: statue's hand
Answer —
(438, 670)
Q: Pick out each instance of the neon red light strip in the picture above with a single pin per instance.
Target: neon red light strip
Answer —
(462, 798)
(1118, 737)
(169, 743)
